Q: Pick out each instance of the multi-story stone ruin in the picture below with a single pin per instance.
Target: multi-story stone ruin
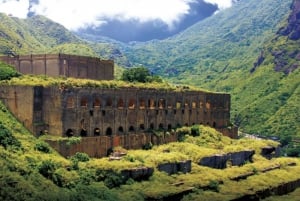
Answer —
(56, 65)
(108, 117)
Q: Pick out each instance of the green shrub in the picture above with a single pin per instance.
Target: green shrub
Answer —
(7, 72)
(293, 152)
(182, 132)
(147, 146)
(42, 147)
(139, 74)
(214, 185)
(47, 169)
(110, 178)
(195, 130)
(7, 139)
(81, 157)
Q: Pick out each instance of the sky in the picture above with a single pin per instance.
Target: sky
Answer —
(101, 16)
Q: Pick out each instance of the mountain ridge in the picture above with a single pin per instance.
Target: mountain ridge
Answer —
(233, 51)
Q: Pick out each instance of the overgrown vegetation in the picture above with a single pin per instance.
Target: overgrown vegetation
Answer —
(219, 53)
(7, 72)
(139, 74)
(26, 174)
(7, 139)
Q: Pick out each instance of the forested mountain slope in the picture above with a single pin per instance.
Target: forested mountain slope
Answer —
(40, 35)
(221, 53)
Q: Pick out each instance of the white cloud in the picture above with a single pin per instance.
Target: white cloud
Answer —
(222, 4)
(74, 14)
(15, 8)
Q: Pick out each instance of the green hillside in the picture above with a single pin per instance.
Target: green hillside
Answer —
(219, 54)
(31, 170)
(39, 35)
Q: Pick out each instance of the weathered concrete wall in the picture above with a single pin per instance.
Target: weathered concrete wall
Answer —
(99, 146)
(131, 110)
(62, 65)
(174, 168)
(270, 152)
(121, 117)
(19, 100)
(221, 161)
(138, 174)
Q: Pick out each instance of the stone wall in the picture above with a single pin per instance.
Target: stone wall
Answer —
(92, 112)
(220, 161)
(107, 118)
(62, 65)
(19, 100)
(101, 145)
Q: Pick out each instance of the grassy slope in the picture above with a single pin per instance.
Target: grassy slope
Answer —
(21, 178)
(218, 54)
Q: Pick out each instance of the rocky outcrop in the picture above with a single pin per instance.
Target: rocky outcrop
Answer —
(270, 152)
(216, 161)
(240, 158)
(281, 58)
(282, 189)
(292, 30)
(174, 168)
(138, 174)
(258, 62)
(221, 161)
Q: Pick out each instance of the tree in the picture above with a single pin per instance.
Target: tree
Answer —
(139, 74)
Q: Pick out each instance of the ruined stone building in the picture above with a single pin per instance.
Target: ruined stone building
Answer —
(56, 65)
(109, 117)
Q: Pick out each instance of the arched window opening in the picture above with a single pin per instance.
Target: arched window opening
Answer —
(103, 113)
(182, 111)
(161, 127)
(166, 112)
(83, 133)
(69, 133)
(174, 111)
(194, 105)
(109, 102)
(186, 124)
(214, 124)
(70, 102)
(142, 127)
(207, 105)
(201, 104)
(131, 129)
(178, 105)
(161, 103)
(120, 103)
(96, 131)
(186, 105)
(151, 103)
(131, 104)
(97, 103)
(120, 129)
(84, 102)
(82, 123)
(142, 104)
(108, 131)
(151, 126)
(169, 127)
